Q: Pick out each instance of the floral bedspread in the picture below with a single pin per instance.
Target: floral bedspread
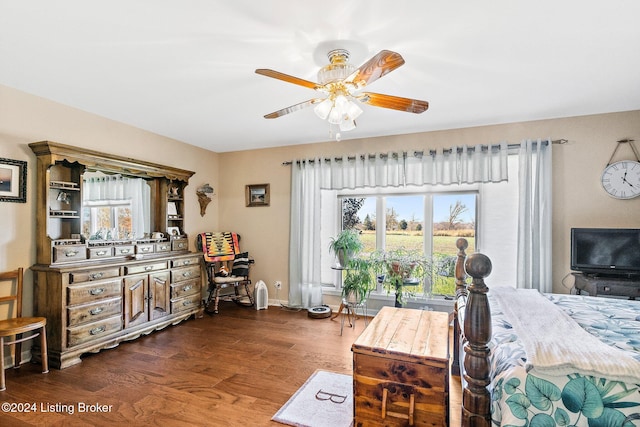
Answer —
(523, 399)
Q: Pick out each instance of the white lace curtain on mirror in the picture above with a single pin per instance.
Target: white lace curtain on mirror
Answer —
(457, 165)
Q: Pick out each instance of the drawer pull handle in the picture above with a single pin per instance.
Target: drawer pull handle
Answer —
(144, 249)
(125, 251)
(186, 303)
(96, 311)
(164, 247)
(70, 253)
(96, 331)
(409, 416)
(94, 276)
(148, 268)
(96, 291)
(187, 274)
(100, 253)
(180, 245)
(187, 288)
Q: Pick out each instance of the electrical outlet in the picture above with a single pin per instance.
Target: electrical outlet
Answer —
(277, 284)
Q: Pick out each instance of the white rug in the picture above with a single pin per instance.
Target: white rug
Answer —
(324, 400)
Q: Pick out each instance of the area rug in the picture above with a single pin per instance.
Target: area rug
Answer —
(324, 400)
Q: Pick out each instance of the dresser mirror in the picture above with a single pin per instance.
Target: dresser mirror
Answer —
(115, 207)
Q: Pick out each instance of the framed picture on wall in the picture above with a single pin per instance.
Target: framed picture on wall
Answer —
(257, 195)
(13, 181)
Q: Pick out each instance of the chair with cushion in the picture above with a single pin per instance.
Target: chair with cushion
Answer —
(16, 325)
(226, 267)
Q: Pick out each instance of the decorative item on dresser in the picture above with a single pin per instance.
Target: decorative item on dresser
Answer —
(401, 369)
(101, 285)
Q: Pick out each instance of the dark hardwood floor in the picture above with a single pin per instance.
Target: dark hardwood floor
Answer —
(236, 368)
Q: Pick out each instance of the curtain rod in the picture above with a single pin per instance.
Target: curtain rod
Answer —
(433, 152)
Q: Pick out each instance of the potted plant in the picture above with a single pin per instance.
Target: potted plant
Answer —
(399, 268)
(345, 246)
(357, 281)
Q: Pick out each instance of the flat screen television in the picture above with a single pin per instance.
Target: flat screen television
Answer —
(606, 251)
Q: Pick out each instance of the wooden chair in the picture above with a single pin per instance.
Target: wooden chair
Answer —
(226, 266)
(18, 325)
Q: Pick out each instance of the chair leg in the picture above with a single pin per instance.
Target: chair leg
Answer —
(2, 384)
(43, 350)
(18, 352)
(216, 299)
(246, 288)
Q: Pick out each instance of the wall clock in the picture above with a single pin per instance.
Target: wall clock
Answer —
(621, 180)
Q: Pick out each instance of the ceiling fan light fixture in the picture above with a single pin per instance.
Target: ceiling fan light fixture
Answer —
(323, 109)
(346, 125)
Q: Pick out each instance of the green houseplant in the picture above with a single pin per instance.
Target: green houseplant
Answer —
(345, 246)
(398, 268)
(357, 281)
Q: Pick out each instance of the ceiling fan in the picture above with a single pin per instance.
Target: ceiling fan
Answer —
(341, 82)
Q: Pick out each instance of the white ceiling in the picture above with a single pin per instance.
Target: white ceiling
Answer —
(185, 68)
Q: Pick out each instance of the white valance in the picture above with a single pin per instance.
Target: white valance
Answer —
(457, 165)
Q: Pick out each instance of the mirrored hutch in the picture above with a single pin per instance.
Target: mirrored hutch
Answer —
(113, 260)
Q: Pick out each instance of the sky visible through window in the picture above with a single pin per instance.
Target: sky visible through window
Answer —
(409, 207)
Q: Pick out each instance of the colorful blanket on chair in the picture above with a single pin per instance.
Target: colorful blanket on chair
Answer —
(219, 246)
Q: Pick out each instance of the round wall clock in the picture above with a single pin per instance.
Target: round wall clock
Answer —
(622, 179)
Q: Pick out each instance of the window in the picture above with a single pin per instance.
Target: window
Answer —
(107, 219)
(426, 223)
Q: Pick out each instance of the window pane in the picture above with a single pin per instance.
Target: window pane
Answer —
(404, 223)
(360, 213)
(454, 216)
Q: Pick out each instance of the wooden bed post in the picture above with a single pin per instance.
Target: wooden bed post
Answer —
(461, 290)
(476, 400)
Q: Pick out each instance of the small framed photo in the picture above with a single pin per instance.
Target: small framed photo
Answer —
(257, 195)
(172, 209)
(173, 231)
(13, 181)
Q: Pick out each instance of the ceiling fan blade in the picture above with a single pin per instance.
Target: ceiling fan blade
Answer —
(292, 108)
(287, 78)
(393, 102)
(381, 64)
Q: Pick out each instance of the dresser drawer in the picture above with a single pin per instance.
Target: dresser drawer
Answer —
(183, 262)
(185, 304)
(92, 331)
(80, 314)
(146, 268)
(146, 248)
(124, 250)
(93, 291)
(185, 288)
(69, 253)
(163, 247)
(185, 273)
(100, 252)
(97, 274)
(180, 245)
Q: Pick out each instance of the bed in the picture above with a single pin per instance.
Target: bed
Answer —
(516, 345)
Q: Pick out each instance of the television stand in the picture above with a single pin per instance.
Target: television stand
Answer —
(603, 285)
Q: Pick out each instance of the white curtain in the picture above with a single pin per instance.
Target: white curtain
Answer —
(454, 166)
(534, 216)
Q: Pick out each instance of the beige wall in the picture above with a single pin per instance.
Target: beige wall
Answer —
(578, 198)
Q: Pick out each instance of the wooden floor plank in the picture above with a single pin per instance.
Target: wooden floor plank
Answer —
(236, 368)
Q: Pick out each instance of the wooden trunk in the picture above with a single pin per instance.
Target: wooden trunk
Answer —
(401, 369)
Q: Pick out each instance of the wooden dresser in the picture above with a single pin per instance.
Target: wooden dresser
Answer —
(401, 369)
(113, 261)
(90, 308)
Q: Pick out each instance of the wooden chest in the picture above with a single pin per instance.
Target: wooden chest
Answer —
(401, 369)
